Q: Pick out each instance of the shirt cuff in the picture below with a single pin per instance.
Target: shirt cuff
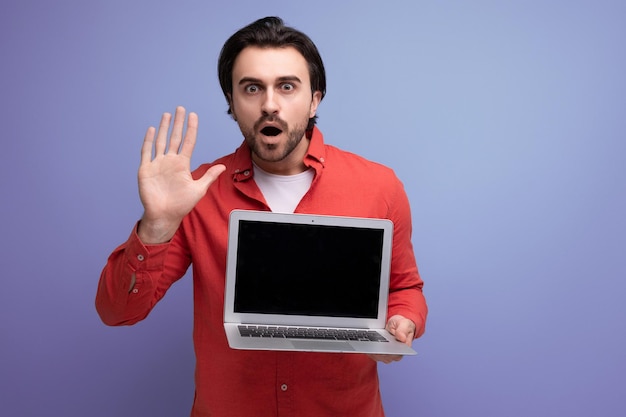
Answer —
(144, 257)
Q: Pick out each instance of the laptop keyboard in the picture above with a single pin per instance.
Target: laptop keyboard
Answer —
(310, 333)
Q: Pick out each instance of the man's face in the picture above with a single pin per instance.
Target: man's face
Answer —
(272, 103)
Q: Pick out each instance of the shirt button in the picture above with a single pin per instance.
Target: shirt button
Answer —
(283, 387)
(322, 160)
(246, 173)
(135, 290)
(140, 257)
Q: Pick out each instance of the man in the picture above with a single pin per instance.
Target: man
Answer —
(273, 80)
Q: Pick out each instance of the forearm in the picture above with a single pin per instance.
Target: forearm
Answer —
(409, 303)
(405, 292)
(128, 286)
(405, 288)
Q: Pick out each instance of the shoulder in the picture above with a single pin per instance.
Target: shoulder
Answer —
(371, 186)
(354, 164)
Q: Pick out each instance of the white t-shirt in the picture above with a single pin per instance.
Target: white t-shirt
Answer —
(283, 192)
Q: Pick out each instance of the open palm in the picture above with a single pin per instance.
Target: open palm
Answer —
(166, 188)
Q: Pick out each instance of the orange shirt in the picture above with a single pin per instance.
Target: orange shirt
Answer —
(265, 383)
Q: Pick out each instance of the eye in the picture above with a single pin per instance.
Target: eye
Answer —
(287, 87)
(252, 89)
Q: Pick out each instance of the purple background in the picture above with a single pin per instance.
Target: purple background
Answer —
(504, 119)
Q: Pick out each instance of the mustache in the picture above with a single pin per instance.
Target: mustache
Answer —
(271, 119)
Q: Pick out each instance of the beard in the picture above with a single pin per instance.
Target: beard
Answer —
(274, 152)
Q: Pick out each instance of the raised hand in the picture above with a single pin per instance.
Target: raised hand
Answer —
(166, 188)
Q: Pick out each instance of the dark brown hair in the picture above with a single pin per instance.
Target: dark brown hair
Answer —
(270, 32)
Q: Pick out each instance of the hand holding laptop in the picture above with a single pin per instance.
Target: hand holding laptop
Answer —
(404, 331)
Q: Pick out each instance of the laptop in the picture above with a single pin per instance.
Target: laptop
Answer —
(313, 283)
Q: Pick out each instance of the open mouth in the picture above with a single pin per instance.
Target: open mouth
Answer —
(271, 131)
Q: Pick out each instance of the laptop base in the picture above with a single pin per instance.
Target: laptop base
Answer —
(389, 347)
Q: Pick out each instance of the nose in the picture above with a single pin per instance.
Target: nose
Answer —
(269, 105)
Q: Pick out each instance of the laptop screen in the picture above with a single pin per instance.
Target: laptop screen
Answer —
(307, 269)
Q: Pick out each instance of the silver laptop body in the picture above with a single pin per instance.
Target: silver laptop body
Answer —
(315, 283)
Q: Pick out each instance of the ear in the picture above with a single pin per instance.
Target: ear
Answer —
(231, 107)
(315, 101)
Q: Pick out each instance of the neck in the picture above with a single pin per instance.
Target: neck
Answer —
(284, 167)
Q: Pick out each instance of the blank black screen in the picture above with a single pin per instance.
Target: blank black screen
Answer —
(307, 269)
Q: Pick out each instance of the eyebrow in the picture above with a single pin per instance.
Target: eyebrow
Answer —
(282, 79)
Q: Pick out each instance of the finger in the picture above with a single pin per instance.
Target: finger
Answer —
(211, 175)
(190, 136)
(375, 358)
(146, 148)
(161, 138)
(405, 332)
(177, 130)
(386, 359)
(392, 325)
(407, 337)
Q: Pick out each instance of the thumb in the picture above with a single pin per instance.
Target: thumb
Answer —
(402, 328)
(211, 175)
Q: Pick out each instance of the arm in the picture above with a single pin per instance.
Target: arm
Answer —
(407, 309)
(138, 273)
(405, 296)
(133, 281)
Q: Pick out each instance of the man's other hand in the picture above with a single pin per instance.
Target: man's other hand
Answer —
(404, 331)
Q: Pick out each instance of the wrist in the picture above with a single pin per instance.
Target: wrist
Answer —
(154, 232)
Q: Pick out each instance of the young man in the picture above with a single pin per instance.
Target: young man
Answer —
(273, 79)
